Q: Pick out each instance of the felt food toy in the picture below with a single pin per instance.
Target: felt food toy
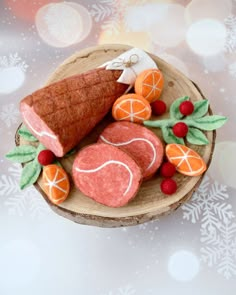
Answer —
(149, 84)
(56, 183)
(131, 107)
(138, 141)
(186, 160)
(106, 174)
(62, 114)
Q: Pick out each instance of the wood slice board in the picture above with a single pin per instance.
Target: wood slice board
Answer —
(150, 203)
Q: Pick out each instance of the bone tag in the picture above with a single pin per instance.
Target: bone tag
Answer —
(131, 62)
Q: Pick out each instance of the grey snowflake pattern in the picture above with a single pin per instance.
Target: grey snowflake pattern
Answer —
(13, 60)
(230, 23)
(220, 248)
(18, 202)
(9, 114)
(110, 13)
(217, 226)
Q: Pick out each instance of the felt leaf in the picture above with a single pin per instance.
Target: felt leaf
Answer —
(207, 123)
(26, 134)
(174, 108)
(160, 123)
(196, 136)
(30, 174)
(22, 154)
(169, 136)
(200, 109)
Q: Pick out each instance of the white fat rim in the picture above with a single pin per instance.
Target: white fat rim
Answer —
(133, 140)
(42, 133)
(109, 163)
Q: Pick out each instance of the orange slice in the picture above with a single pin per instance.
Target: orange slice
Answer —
(131, 107)
(56, 183)
(149, 84)
(186, 160)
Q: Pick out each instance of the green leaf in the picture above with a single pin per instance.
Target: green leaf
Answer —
(200, 109)
(174, 108)
(30, 174)
(169, 136)
(159, 123)
(26, 134)
(195, 136)
(207, 123)
(22, 154)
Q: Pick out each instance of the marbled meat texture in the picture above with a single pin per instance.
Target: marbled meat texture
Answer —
(106, 174)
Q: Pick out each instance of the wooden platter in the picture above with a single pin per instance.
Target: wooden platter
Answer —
(150, 203)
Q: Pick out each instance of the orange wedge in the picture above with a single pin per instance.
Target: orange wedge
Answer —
(131, 107)
(186, 160)
(55, 183)
(149, 84)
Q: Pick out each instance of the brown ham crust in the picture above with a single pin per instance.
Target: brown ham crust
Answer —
(106, 174)
(63, 113)
(138, 141)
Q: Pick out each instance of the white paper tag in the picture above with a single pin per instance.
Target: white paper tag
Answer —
(131, 62)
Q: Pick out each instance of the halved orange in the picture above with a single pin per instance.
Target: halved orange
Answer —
(149, 84)
(131, 107)
(186, 160)
(55, 183)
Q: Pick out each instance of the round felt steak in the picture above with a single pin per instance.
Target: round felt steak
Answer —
(106, 174)
(141, 143)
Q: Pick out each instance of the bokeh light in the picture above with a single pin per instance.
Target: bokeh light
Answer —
(199, 9)
(207, 37)
(11, 78)
(222, 168)
(13, 260)
(25, 9)
(183, 266)
(63, 24)
(136, 39)
(171, 30)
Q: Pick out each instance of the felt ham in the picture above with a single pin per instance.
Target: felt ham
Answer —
(106, 174)
(63, 113)
(138, 141)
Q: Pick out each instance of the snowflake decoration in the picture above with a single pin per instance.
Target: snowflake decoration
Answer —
(9, 114)
(230, 23)
(20, 202)
(13, 60)
(110, 13)
(208, 205)
(60, 21)
(220, 248)
(218, 228)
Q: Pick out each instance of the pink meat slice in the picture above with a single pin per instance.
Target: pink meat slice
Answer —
(63, 113)
(141, 143)
(106, 174)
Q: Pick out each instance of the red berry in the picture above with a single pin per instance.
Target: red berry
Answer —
(158, 107)
(186, 108)
(180, 129)
(167, 170)
(168, 186)
(46, 157)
